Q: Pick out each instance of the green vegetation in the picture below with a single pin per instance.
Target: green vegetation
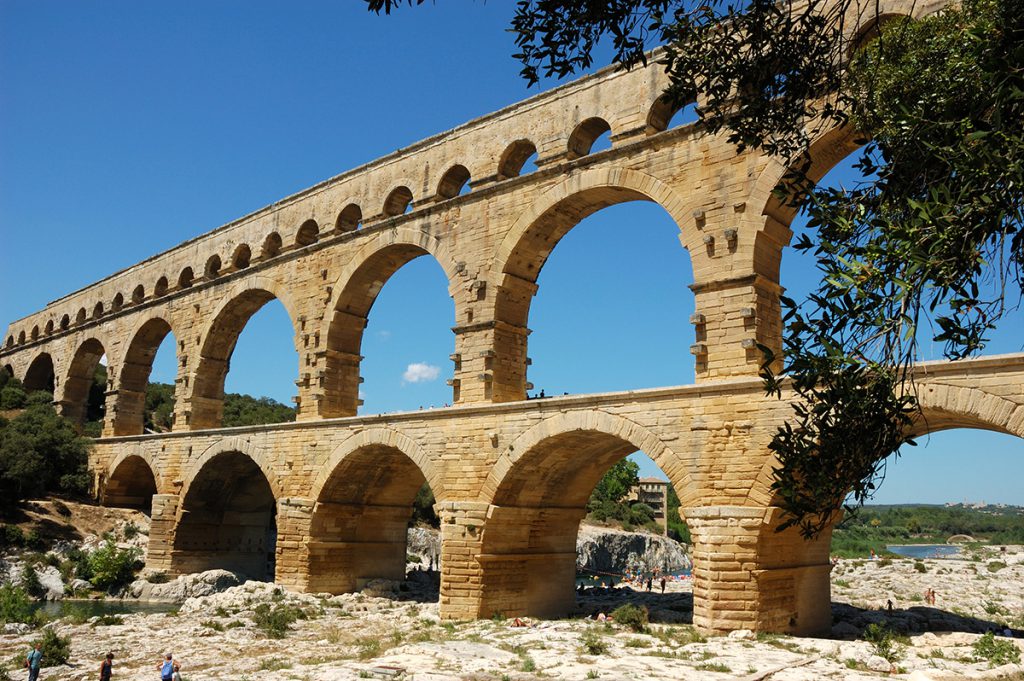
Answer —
(876, 526)
(239, 410)
(56, 649)
(40, 452)
(886, 642)
(633, 616)
(608, 504)
(275, 621)
(593, 643)
(112, 567)
(423, 508)
(15, 605)
(995, 651)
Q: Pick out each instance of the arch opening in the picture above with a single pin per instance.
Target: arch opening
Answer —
(408, 325)
(538, 516)
(586, 308)
(227, 520)
(454, 182)
(207, 405)
(308, 234)
(118, 303)
(131, 407)
(584, 139)
(212, 269)
(97, 311)
(666, 114)
(515, 160)
(65, 323)
(161, 286)
(131, 484)
(186, 278)
(84, 396)
(241, 257)
(349, 219)
(271, 246)
(399, 202)
(49, 327)
(40, 374)
(35, 332)
(361, 521)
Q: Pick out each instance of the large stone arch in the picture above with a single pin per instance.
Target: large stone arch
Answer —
(354, 294)
(537, 496)
(943, 406)
(362, 506)
(135, 368)
(526, 246)
(227, 515)
(73, 393)
(240, 303)
(130, 480)
(41, 374)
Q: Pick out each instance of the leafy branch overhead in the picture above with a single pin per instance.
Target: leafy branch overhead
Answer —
(928, 243)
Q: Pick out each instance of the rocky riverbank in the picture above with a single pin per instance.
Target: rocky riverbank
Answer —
(219, 636)
(601, 549)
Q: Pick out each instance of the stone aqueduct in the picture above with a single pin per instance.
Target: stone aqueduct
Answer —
(510, 476)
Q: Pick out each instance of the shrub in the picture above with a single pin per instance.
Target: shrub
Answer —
(633, 616)
(920, 566)
(61, 508)
(130, 530)
(593, 644)
(886, 642)
(275, 621)
(11, 535)
(30, 582)
(995, 651)
(15, 605)
(996, 566)
(56, 649)
(112, 567)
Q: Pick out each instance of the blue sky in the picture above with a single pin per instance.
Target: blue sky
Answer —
(128, 127)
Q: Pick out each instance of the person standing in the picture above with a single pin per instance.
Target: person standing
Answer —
(166, 668)
(107, 667)
(33, 661)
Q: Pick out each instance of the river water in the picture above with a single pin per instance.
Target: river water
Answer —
(925, 550)
(94, 608)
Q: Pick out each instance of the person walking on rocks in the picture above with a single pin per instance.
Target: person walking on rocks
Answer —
(107, 667)
(166, 668)
(663, 584)
(33, 661)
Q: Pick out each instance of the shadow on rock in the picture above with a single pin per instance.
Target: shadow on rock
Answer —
(668, 608)
(849, 621)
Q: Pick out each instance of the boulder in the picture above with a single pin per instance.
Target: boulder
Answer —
(184, 587)
(607, 550)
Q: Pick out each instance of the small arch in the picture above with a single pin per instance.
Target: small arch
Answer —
(138, 294)
(453, 182)
(212, 269)
(514, 158)
(161, 287)
(118, 302)
(81, 316)
(186, 278)
(241, 257)
(349, 219)
(97, 311)
(130, 483)
(398, 202)
(10, 340)
(582, 139)
(271, 246)
(21, 335)
(49, 327)
(65, 323)
(35, 332)
(663, 113)
(308, 233)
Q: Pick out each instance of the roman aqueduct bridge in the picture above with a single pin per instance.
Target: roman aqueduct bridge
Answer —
(511, 476)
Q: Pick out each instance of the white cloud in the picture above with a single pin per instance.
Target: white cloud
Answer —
(420, 372)
(384, 335)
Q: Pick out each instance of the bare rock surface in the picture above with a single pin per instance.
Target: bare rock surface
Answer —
(352, 636)
(604, 549)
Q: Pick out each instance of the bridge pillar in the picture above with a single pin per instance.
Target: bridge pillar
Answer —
(490, 363)
(749, 576)
(161, 533)
(462, 524)
(732, 317)
(291, 564)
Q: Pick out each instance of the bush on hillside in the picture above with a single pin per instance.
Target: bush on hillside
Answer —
(15, 605)
(112, 567)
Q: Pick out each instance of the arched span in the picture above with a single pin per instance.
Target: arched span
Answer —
(385, 438)
(238, 444)
(355, 292)
(227, 514)
(628, 436)
(130, 481)
(363, 506)
(244, 299)
(943, 406)
(40, 374)
(133, 376)
(77, 384)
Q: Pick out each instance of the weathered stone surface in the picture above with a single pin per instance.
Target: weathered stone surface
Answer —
(607, 550)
